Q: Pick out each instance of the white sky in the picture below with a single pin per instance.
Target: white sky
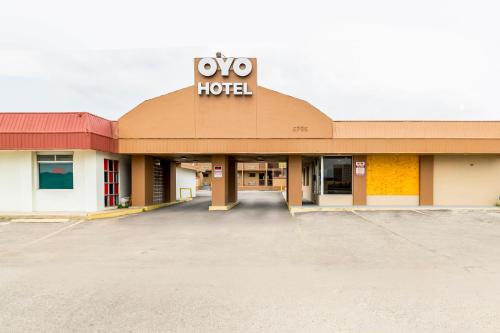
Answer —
(385, 59)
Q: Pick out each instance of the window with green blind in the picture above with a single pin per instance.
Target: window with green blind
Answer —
(55, 172)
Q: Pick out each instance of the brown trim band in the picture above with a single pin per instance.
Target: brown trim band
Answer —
(309, 146)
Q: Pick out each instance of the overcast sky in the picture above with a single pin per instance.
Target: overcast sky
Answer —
(385, 59)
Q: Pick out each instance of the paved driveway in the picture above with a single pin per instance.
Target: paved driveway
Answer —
(254, 269)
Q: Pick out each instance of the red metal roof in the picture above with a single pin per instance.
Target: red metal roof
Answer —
(57, 130)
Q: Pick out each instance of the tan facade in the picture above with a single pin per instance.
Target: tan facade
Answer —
(466, 180)
(406, 161)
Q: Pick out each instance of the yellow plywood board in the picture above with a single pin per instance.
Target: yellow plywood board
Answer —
(392, 175)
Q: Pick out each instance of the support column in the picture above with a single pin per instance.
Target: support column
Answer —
(169, 178)
(294, 181)
(232, 181)
(265, 175)
(426, 177)
(224, 188)
(142, 180)
(358, 182)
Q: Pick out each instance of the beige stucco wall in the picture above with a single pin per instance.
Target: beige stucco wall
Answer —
(466, 180)
(392, 200)
(334, 199)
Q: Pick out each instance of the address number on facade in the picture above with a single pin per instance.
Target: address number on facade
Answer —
(300, 129)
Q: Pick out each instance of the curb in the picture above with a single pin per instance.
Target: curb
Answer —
(223, 208)
(27, 218)
(130, 211)
(298, 209)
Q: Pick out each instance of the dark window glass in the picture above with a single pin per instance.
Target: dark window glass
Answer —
(55, 175)
(64, 158)
(45, 158)
(337, 177)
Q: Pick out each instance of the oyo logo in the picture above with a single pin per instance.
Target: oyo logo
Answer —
(207, 67)
(240, 66)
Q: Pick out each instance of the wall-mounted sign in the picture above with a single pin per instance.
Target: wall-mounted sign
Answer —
(218, 171)
(360, 168)
(207, 67)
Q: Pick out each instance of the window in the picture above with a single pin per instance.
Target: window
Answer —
(273, 165)
(111, 186)
(251, 174)
(55, 172)
(337, 177)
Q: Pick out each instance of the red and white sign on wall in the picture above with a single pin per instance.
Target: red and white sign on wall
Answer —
(360, 168)
(218, 171)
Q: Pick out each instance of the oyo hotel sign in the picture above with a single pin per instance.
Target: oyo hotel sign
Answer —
(208, 67)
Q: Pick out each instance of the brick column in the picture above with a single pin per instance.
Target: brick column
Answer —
(142, 180)
(232, 181)
(358, 182)
(219, 185)
(426, 176)
(294, 181)
(169, 177)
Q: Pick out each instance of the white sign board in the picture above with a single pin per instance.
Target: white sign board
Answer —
(217, 171)
(360, 168)
(207, 67)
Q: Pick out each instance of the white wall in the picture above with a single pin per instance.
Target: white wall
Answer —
(19, 190)
(16, 181)
(466, 180)
(185, 178)
(125, 174)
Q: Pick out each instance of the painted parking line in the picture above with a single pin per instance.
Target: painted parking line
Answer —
(38, 240)
(417, 244)
(420, 212)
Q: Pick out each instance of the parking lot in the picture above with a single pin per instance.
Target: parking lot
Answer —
(254, 269)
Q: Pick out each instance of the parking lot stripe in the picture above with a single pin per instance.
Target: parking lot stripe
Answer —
(420, 212)
(400, 236)
(38, 240)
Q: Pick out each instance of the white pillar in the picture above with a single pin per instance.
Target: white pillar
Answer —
(321, 175)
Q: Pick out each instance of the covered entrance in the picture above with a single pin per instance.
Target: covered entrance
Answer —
(200, 123)
(154, 177)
